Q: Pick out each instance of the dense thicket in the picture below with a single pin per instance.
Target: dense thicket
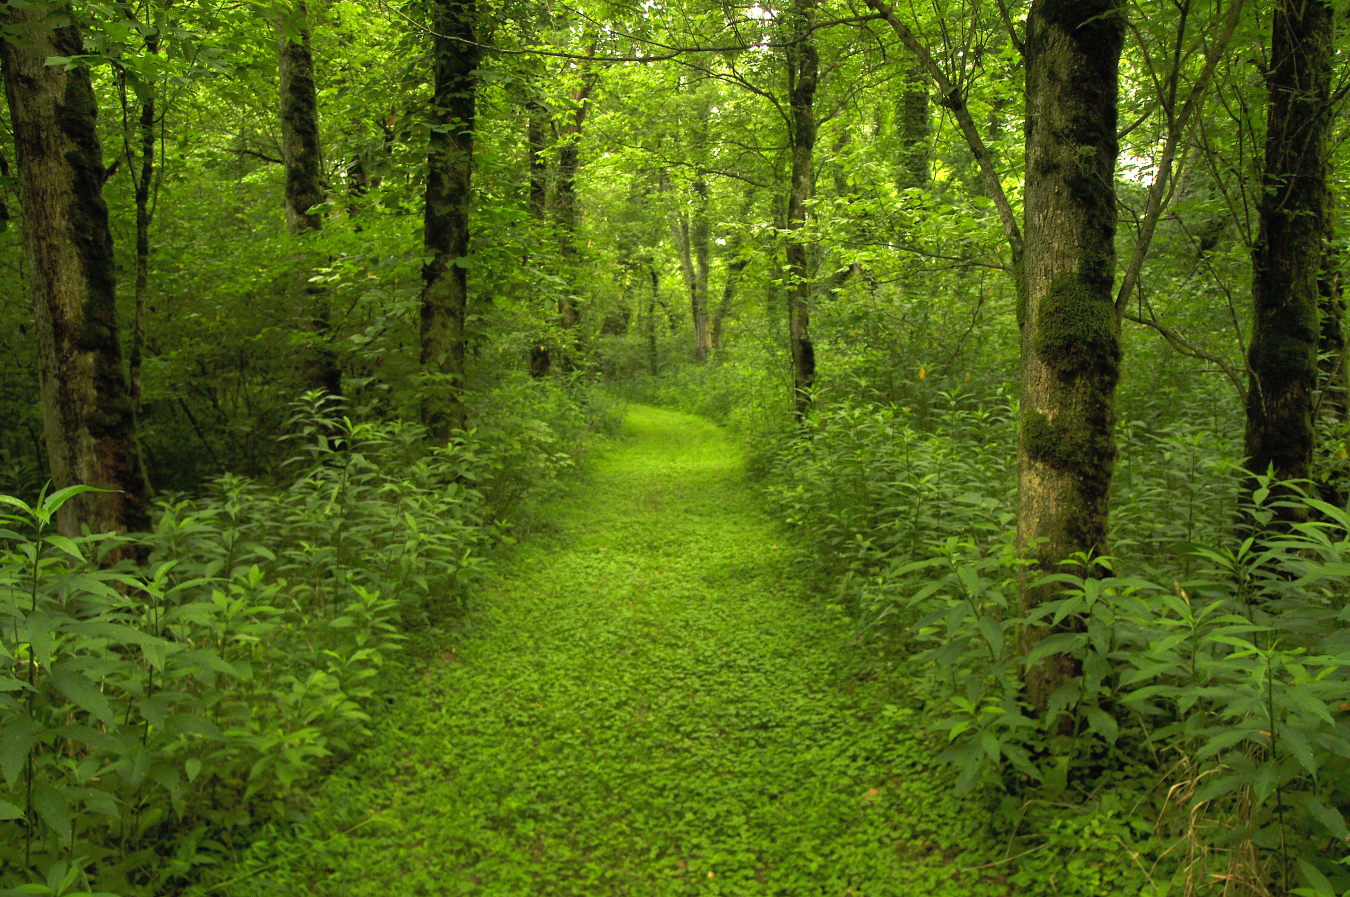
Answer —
(1003, 294)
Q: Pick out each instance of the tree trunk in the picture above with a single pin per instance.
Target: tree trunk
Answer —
(700, 235)
(565, 210)
(541, 362)
(651, 318)
(302, 159)
(300, 149)
(143, 182)
(915, 130)
(445, 284)
(1070, 331)
(736, 265)
(803, 71)
(87, 409)
(1287, 256)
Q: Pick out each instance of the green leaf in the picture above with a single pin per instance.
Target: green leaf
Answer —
(52, 503)
(16, 740)
(1297, 743)
(40, 628)
(66, 545)
(1328, 816)
(54, 810)
(83, 693)
(1314, 877)
(9, 811)
(993, 634)
(1103, 723)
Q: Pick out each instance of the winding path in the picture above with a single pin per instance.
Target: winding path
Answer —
(652, 705)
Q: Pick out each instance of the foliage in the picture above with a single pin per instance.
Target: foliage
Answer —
(154, 714)
(1192, 649)
(630, 723)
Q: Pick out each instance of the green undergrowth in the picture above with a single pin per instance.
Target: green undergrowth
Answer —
(646, 700)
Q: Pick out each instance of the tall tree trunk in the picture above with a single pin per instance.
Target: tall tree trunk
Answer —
(87, 409)
(651, 318)
(565, 208)
(300, 150)
(302, 159)
(700, 234)
(1288, 253)
(445, 282)
(1070, 331)
(143, 181)
(536, 141)
(803, 72)
(915, 129)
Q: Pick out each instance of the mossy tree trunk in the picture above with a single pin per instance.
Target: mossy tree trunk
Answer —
(301, 153)
(87, 409)
(302, 159)
(914, 127)
(1288, 253)
(803, 66)
(1070, 330)
(536, 141)
(445, 234)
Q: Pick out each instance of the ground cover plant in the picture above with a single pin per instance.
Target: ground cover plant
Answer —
(622, 720)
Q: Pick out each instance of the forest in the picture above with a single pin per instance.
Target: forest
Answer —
(849, 447)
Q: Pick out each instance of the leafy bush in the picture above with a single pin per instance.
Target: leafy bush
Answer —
(153, 713)
(1212, 684)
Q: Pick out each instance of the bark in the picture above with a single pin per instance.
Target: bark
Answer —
(915, 129)
(1070, 331)
(1288, 253)
(445, 285)
(87, 410)
(143, 216)
(651, 318)
(700, 235)
(300, 150)
(302, 160)
(565, 210)
(541, 362)
(803, 73)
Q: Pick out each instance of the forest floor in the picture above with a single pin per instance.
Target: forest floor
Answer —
(647, 702)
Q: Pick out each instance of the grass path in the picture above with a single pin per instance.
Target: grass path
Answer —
(651, 705)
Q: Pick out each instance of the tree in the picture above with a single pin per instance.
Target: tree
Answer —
(302, 160)
(1070, 330)
(445, 280)
(301, 151)
(1288, 254)
(566, 212)
(803, 66)
(88, 417)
